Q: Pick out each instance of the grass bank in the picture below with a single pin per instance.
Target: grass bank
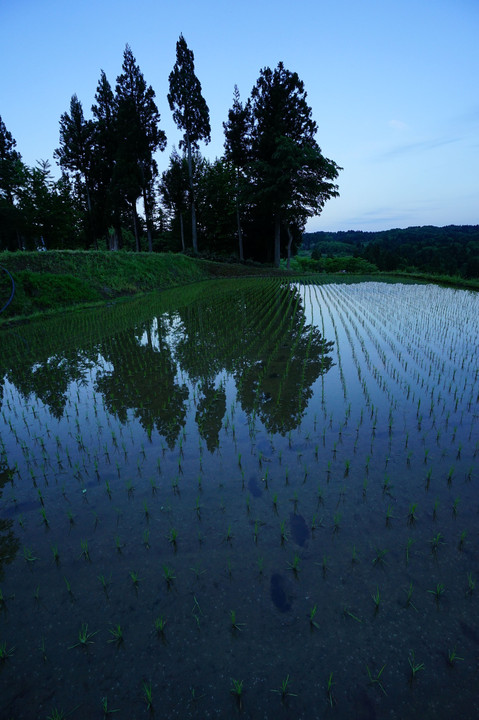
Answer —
(57, 279)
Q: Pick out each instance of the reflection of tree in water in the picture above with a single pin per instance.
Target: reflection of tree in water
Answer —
(9, 543)
(278, 385)
(210, 411)
(49, 379)
(143, 379)
(274, 356)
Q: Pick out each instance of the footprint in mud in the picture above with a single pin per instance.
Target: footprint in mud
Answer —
(281, 593)
(254, 487)
(299, 529)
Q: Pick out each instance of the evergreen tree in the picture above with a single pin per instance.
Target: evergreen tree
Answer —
(238, 151)
(174, 191)
(292, 179)
(75, 153)
(190, 114)
(105, 149)
(139, 138)
(12, 176)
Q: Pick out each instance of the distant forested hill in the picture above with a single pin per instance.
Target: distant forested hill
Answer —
(449, 250)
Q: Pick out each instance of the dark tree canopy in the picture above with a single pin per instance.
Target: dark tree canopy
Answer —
(190, 113)
(290, 176)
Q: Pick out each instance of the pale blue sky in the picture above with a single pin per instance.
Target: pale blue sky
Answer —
(393, 86)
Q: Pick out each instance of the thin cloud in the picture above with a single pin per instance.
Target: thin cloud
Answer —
(417, 147)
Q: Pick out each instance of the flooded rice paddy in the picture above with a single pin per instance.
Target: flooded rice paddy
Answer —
(243, 499)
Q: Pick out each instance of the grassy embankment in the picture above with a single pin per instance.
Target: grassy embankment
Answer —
(55, 280)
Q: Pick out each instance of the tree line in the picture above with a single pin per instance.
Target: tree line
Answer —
(253, 202)
(448, 250)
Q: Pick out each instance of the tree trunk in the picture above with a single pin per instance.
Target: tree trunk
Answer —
(240, 233)
(182, 233)
(135, 227)
(290, 242)
(277, 241)
(192, 197)
(146, 205)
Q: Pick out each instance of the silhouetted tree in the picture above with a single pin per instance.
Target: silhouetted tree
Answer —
(238, 152)
(75, 151)
(190, 113)
(139, 138)
(290, 176)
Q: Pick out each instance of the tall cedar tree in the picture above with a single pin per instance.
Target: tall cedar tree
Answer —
(291, 178)
(75, 151)
(190, 113)
(105, 149)
(238, 151)
(139, 138)
(11, 178)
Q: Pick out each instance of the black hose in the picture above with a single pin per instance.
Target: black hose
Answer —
(13, 289)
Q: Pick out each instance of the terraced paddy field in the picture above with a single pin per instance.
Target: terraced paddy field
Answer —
(249, 498)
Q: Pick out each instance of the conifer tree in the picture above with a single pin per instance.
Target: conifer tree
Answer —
(190, 113)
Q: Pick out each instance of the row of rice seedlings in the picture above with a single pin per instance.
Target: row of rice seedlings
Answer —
(295, 563)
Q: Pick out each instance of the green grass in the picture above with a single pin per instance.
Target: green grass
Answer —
(59, 279)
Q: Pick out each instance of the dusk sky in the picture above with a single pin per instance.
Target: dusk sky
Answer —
(393, 86)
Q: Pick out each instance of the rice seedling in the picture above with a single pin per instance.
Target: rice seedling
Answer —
(56, 554)
(5, 652)
(117, 635)
(329, 690)
(471, 583)
(29, 556)
(168, 574)
(105, 709)
(438, 591)
(237, 691)
(376, 679)
(234, 624)
(312, 615)
(379, 557)
(412, 514)
(436, 541)
(84, 550)
(105, 582)
(283, 531)
(196, 611)
(409, 602)
(336, 522)
(415, 666)
(347, 613)
(173, 537)
(135, 579)
(376, 599)
(453, 657)
(84, 637)
(160, 625)
(146, 538)
(69, 587)
(284, 690)
(294, 565)
(389, 515)
(148, 695)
